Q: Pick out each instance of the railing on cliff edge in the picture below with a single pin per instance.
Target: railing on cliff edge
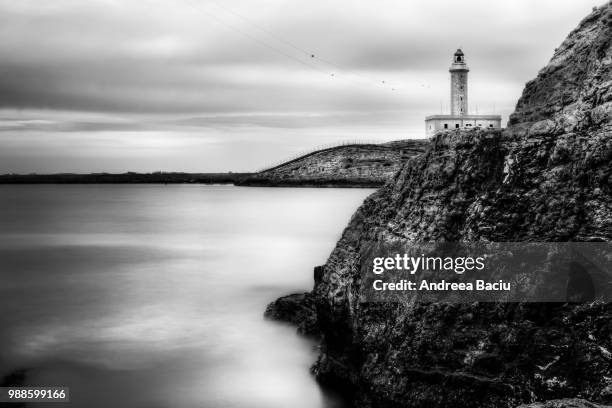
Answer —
(318, 149)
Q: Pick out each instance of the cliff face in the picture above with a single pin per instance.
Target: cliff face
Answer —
(573, 90)
(547, 177)
(352, 165)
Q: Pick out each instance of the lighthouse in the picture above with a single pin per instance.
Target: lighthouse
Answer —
(459, 84)
(459, 117)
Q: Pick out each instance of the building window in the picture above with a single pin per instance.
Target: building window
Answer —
(446, 126)
(456, 126)
(490, 125)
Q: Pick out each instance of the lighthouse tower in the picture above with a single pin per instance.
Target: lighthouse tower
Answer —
(459, 84)
(459, 117)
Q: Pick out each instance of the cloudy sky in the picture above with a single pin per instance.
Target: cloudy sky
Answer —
(218, 85)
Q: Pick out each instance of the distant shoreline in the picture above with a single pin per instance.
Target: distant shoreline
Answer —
(124, 178)
(237, 179)
(312, 183)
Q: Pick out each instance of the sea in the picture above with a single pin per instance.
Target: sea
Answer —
(153, 295)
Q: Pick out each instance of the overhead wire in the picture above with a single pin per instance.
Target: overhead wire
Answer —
(308, 53)
(252, 38)
(339, 71)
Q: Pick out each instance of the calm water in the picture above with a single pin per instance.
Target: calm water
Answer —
(152, 296)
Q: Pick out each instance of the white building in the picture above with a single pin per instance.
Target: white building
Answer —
(459, 117)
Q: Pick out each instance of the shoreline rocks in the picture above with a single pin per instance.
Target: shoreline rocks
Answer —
(564, 403)
(297, 309)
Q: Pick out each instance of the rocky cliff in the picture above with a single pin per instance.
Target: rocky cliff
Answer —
(359, 165)
(547, 177)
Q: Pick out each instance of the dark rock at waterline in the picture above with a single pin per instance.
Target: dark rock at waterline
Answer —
(16, 378)
(297, 309)
(564, 403)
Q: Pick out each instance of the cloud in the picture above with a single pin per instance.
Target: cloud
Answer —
(171, 57)
(70, 66)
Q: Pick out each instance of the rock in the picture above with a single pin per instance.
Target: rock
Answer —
(359, 165)
(564, 403)
(297, 309)
(574, 88)
(547, 177)
(16, 378)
